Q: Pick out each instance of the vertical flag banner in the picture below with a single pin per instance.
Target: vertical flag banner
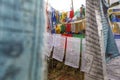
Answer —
(73, 52)
(59, 47)
(92, 42)
(86, 60)
(49, 44)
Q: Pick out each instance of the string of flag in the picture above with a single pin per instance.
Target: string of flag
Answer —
(71, 48)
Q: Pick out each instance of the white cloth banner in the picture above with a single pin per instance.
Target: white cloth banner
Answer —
(49, 44)
(59, 47)
(73, 28)
(113, 68)
(83, 45)
(87, 59)
(118, 44)
(73, 52)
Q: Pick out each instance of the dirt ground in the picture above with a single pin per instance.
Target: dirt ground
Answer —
(58, 71)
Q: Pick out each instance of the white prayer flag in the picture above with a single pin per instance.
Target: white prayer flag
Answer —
(73, 52)
(86, 60)
(49, 44)
(59, 47)
(83, 45)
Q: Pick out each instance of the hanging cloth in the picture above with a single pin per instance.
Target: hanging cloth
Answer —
(73, 52)
(84, 25)
(76, 28)
(71, 14)
(57, 16)
(59, 47)
(116, 28)
(63, 16)
(58, 28)
(53, 31)
(54, 21)
(81, 12)
(79, 27)
(73, 28)
(63, 28)
(93, 58)
(110, 51)
(50, 21)
(49, 44)
(68, 27)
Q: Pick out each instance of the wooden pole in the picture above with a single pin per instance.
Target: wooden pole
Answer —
(72, 5)
(109, 2)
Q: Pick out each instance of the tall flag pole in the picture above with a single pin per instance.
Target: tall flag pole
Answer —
(72, 5)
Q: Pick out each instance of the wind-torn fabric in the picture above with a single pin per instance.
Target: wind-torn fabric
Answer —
(92, 42)
(110, 46)
(21, 39)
